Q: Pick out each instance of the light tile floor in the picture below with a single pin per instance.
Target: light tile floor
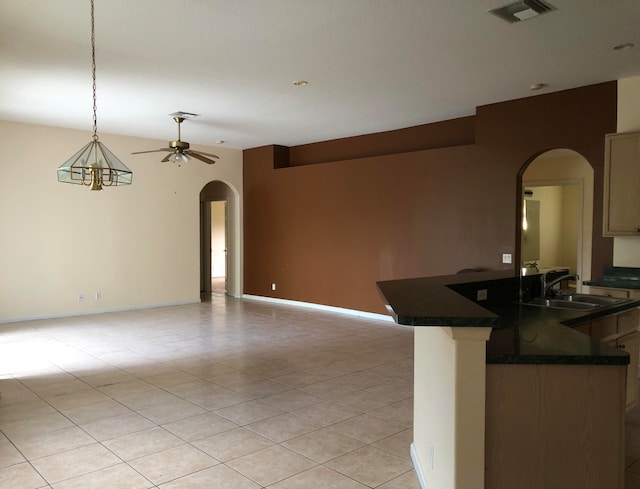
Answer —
(229, 393)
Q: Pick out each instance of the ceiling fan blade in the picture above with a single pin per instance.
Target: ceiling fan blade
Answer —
(152, 151)
(202, 153)
(166, 158)
(198, 156)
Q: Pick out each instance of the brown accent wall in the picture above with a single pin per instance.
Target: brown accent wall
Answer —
(437, 135)
(325, 221)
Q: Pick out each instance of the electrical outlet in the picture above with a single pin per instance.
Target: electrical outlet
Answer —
(98, 296)
(273, 286)
(481, 295)
(506, 258)
(80, 296)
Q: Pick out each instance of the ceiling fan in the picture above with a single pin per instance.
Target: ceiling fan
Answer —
(179, 151)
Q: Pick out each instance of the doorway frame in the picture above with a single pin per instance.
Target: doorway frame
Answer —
(585, 235)
(206, 240)
(214, 191)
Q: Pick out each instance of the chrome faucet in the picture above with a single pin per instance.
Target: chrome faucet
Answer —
(545, 287)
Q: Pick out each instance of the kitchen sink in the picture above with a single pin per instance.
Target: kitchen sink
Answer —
(561, 304)
(582, 302)
(603, 300)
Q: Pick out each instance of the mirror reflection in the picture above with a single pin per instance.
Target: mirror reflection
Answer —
(557, 214)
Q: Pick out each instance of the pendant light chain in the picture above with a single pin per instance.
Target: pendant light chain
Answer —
(94, 166)
(93, 73)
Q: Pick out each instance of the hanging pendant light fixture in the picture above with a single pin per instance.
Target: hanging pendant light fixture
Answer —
(94, 165)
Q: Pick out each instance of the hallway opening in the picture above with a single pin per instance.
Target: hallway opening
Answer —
(220, 241)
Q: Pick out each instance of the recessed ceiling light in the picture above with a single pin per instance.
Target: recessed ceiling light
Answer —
(537, 86)
(622, 47)
(300, 83)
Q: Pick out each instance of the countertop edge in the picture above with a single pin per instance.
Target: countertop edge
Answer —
(433, 302)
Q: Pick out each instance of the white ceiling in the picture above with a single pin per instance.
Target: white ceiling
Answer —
(372, 65)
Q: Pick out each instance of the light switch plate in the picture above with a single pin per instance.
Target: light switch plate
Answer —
(506, 258)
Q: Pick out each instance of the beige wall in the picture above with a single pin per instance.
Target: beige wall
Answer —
(626, 250)
(218, 239)
(449, 400)
(570, 235)
(550, 224)
(137, 245)
(560, 224)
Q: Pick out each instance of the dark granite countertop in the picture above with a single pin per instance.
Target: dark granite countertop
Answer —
(539, 335)
(429, 301)
(522, 334)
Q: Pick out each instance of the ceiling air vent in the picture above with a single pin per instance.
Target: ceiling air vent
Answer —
(522, 10)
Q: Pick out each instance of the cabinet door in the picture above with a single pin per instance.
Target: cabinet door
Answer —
(584, 328)
(631, 344)
(622, 185)
(628, 321)
(603, 327)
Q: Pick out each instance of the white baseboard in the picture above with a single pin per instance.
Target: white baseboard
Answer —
(311, 305)
(94, 311)
(418, 468)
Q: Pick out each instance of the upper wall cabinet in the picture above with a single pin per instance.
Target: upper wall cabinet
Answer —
(622, 185)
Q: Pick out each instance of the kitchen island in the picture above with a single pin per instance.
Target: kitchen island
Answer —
(509, 395)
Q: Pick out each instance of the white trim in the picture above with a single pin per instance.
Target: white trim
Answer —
(95, 311)
(418, 467)
(311, 305)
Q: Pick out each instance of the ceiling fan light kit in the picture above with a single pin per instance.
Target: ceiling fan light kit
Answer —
(178, 158)
(94, 165)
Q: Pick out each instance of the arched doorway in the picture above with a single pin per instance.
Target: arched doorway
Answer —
(220, 239)
(560, 184)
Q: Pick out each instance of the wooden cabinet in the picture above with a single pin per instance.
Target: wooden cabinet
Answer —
(554, 426)
(628, 321)
(610, 291)
(604, 327)
(622, 185)
(621, 331)
(631, 344)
